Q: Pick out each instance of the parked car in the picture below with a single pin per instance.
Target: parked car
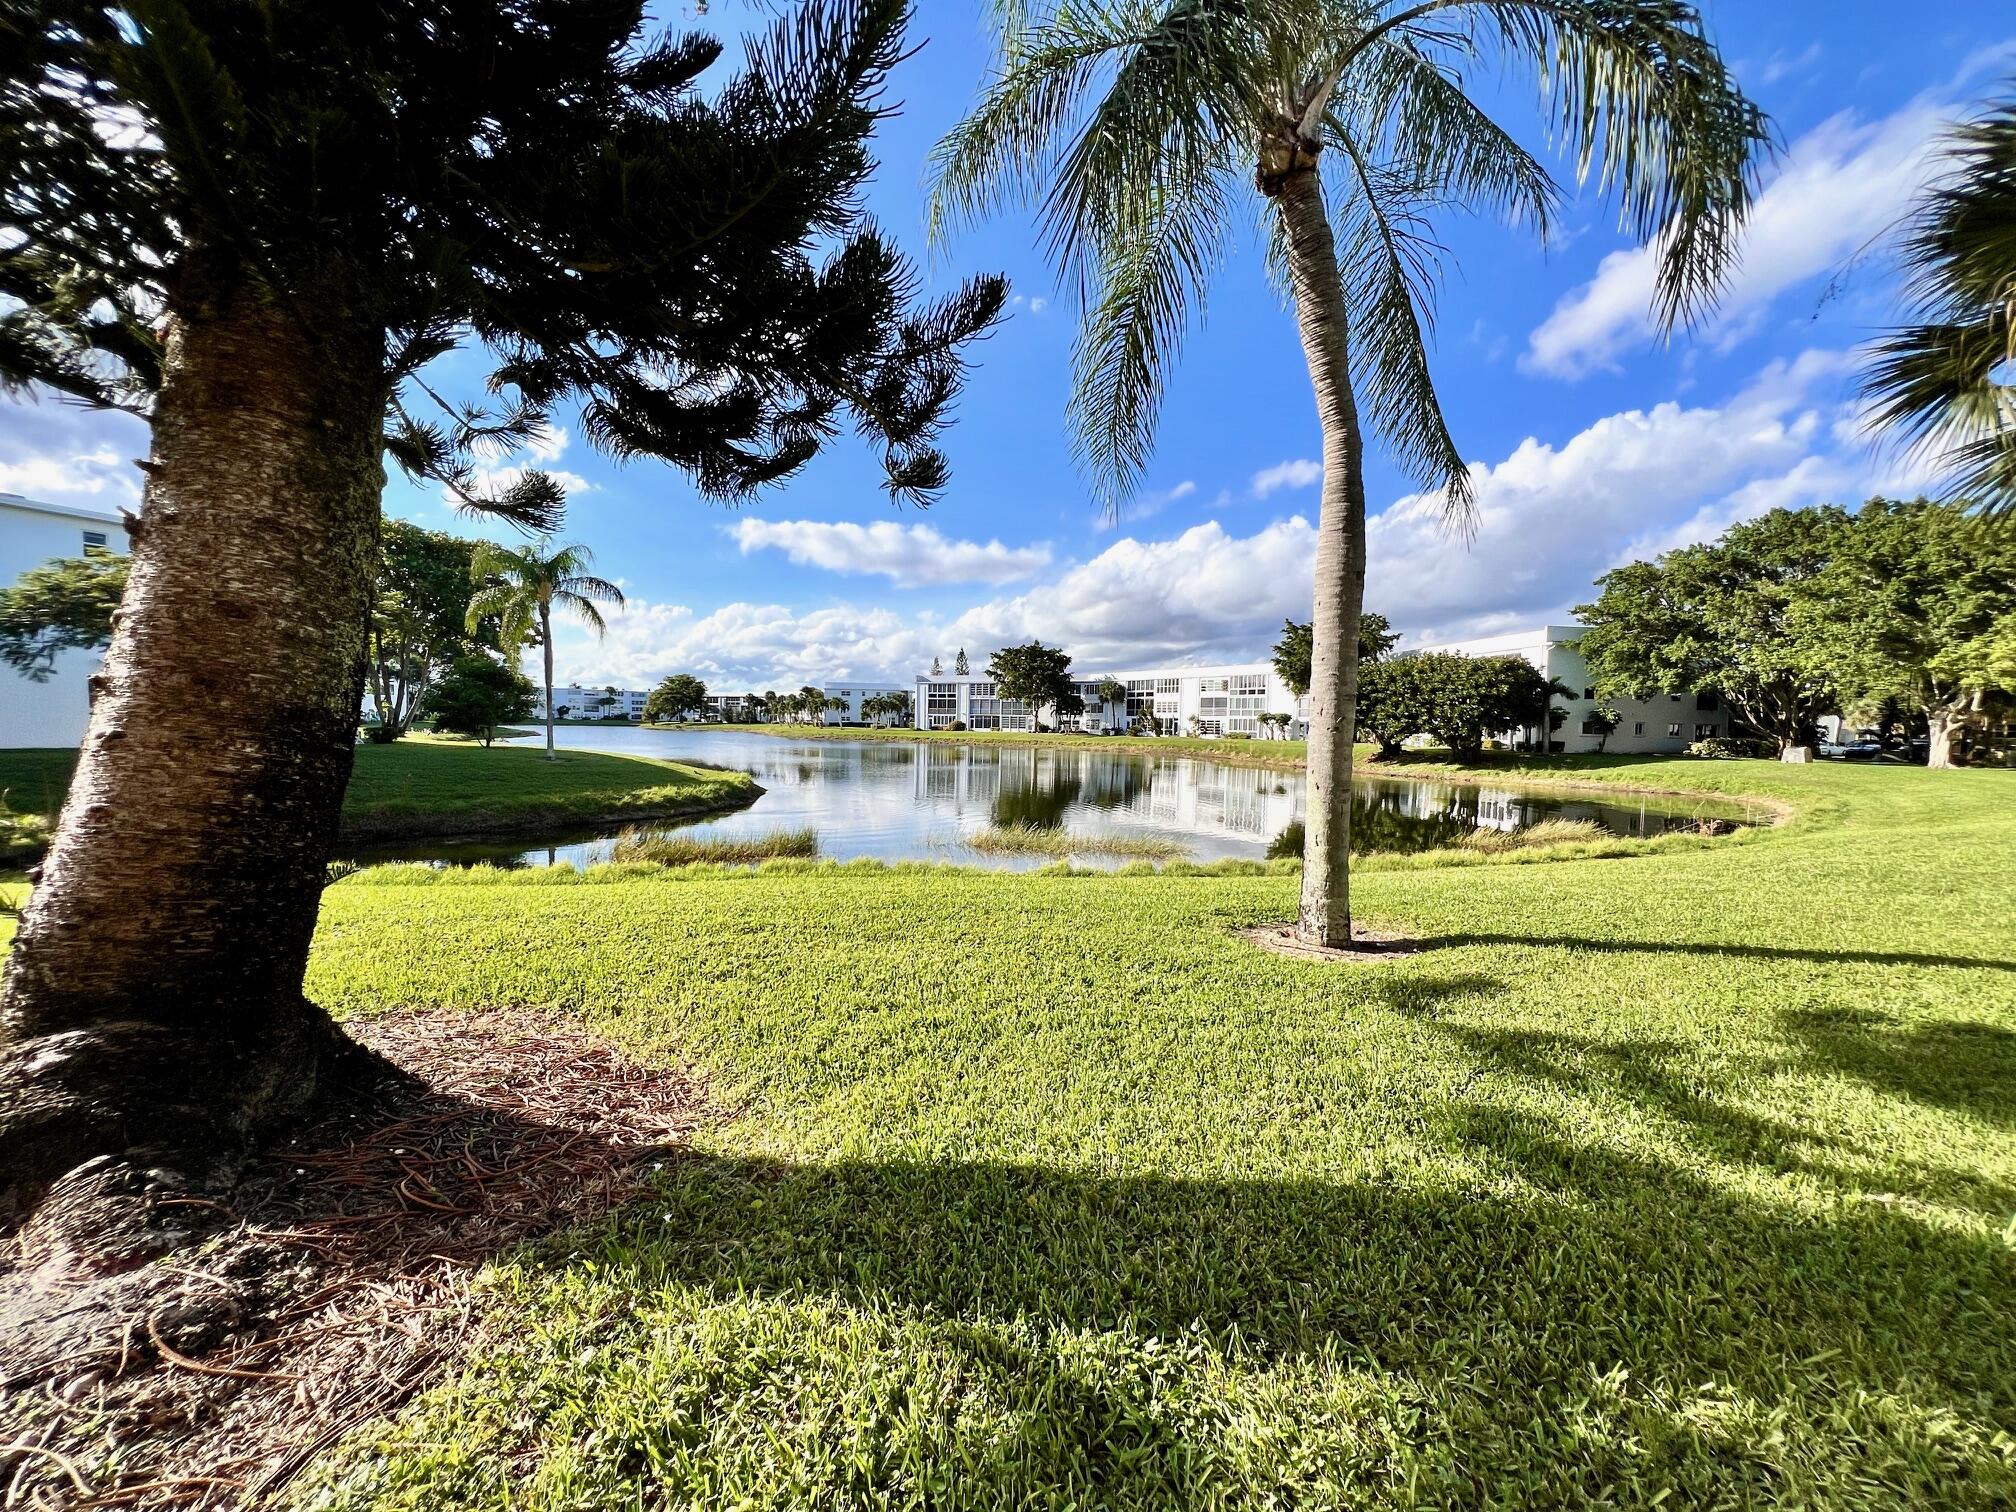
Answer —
(1855, 749)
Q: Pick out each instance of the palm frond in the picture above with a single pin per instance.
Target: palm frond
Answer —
(1388, 262)
(583, 609)
(1150, 286)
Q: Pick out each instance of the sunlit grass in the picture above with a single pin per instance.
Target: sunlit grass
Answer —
(1532, 836)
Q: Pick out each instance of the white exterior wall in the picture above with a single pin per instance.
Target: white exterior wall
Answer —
(1220, 700)
(585, 703)
(51, 713)
(733, 708)
(1670, 722)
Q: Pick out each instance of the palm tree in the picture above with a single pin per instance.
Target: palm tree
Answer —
(1936, 384)
(521, 587)
(1135, 125)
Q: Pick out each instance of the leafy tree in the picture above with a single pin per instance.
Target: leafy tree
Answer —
(259, 225)
(1292, 653)
(520, 587)
(1723, 616)
(1138, 128)
(1917, 603)
(1460, 700)
(1037, 677)
(66, 604)
(477, 697)
(675, 698)
(418, 621)
(1945, 385)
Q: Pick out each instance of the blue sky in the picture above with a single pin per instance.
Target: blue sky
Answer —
(1592, 443)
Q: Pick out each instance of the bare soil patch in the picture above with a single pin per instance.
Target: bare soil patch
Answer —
(1368, 947)
(334, 1282)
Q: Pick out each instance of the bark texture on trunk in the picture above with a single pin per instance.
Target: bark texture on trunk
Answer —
(1943, 724)
(1289, 175)
(153, 998)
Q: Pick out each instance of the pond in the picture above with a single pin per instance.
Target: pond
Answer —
(923, 800)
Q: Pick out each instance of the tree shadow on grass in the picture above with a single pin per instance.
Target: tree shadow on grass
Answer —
(1664, 1077)
(1719, 948)
(1966, 1067)
(1386, 1333)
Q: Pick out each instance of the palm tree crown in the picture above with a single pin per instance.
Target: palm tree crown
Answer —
(521, 587)
(1948, 386)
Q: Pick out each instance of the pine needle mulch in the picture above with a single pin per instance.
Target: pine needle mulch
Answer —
(339, 1282)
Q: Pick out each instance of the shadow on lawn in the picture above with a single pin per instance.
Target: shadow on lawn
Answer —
(1968, 1068)
(1491, 1318)
(1718, 948)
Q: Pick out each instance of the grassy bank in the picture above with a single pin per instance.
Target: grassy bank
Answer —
(1285, 755)
(1681, 1178)
(421, 787)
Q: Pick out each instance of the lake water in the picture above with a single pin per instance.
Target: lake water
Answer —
(921, 800)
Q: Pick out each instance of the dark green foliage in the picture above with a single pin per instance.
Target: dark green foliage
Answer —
(1460, 700)
(1037, 676)
(545, 178)
(1293, 652)
(1917, 604)
(418, 621)
(1723, 616)
(676, 697)
(477, 698)
(64, 605)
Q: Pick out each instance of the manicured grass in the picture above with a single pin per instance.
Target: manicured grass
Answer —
(424, 786)
(1283, 754)
(1682, 1177)
(1042, 840)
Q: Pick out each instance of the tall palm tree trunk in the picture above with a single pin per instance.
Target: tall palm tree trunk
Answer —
(1289, 176)
(546, 652)
(213, 769)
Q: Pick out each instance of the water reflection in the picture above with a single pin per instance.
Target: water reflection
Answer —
(922, 800)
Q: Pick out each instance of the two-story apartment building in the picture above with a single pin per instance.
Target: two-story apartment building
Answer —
(1225, 700)
(54, 711)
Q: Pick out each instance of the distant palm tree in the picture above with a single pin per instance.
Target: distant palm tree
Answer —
(1946, 385)
(522, 586)
(1137, 125)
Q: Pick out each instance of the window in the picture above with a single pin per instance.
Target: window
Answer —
(1704, 732)
(1638, 728)
(1705, 701)
(95, 540)
(1589, 693)
(1168, 685)
(1593, 727)
(1673, 730)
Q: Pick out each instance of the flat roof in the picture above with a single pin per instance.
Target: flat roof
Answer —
(72, 511)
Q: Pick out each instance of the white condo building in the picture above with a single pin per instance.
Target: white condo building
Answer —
(1668, 722)
(53, 712)
(1187, 700)
(735, 708)
(587, 703)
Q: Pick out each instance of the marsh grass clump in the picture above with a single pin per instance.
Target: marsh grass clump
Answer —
(1546, 832)
(1036, 840)
(659, 848)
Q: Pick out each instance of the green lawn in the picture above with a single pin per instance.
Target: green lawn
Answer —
(1269, 753)
(422, 786)
(1680, 1179)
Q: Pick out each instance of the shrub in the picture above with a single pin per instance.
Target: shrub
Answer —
(1729, 747)
(957, 724)
(1237, 735)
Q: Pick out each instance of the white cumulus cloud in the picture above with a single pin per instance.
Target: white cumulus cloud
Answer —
(1299, 473)
(1842, 184)
(59, 451)
(910, 556)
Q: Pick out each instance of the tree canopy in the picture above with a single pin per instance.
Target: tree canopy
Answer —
(477, 697)
(676, 697)
(1293, 652)
(1460, 700)
(548, 181)
(1038, 677)
(66, 604)
(419, 621)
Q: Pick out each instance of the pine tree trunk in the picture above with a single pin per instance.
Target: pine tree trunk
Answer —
(1289, 176)
(153, 999)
